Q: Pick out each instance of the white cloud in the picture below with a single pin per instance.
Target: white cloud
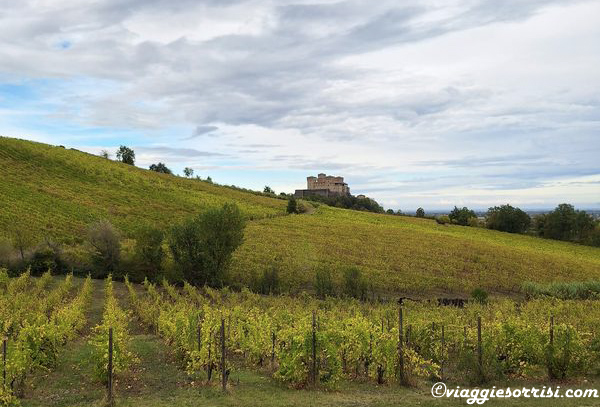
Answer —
(408, 102)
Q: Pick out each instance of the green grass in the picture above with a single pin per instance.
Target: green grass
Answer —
(408, 255)
(58, 192)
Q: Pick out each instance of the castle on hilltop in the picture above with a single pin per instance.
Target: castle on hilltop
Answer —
(323, 185)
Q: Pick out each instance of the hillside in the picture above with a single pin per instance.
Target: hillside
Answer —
(60, 191)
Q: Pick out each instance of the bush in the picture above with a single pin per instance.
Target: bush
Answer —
(126, 155)
(461, 216)
(324, 283)
(149, 253)
(479, 295)
(203, 246)
(576, 290)
(442, 220)
(567, 355)
(105, 248)
(160, 167)
(292, 207)
(269, 282)
(507, 219)
(47, 258)
(354, 284)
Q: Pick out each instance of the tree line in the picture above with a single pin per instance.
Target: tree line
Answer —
(563, 223)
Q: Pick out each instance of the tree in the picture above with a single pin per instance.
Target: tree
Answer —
(126, 155)
(292, 206)
(149, 252)
(188, 172)
(420, 213)
(565, 223)
(507, 219)
(203, 246)
(105, 247)
(22, 240)
(105, 154)
(160, 167)
(209, 180)
(461, 216)
(268, 190)
(390, 212)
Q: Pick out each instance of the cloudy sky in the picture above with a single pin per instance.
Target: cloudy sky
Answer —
(427, 103)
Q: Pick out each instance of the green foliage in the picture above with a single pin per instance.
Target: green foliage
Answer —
(576, 290)
(188, 172)
(420, 213)
(105, 247)
(461, 216)
(160, 167)
(292, 206)
(507, 219)
(479, 295)
(149, 252)
(203, 246)
(268, 190)
(47, 257)
(442, 219)
(269, 282)
(324, 283)
(355, 285)
(348, 202)
(567, 355)
(116, 318)
(566, 223)
(126, 155)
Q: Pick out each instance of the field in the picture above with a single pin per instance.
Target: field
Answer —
(57, 192)
(158, 373)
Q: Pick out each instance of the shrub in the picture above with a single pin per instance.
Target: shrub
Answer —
(105, 249)
(160, 167)
(203, 246)
(461, 216)
(567, 355)
(507, 219)
(324, 283)
(442, 220)
(126, 155)
(479, 295)
(149, 252)
(47, 258)
(292, 206)
(354, 284)
(269, 282)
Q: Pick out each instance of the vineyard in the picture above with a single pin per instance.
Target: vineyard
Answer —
(343, 340)
(215, 337)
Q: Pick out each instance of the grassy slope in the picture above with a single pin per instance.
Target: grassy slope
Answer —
(61, 191)
(409, 254)
(50, 188)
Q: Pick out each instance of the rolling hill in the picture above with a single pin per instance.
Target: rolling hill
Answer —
(58, 192)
